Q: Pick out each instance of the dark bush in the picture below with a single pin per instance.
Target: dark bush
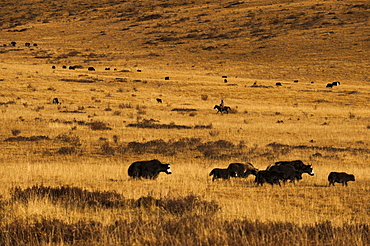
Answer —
(32, 138)
(69, 196)
(98, 125)
(16, 132)
(190, 204)
(107, 149)
(69, 138)
(53, 231)
(147, 202)
(67, 150)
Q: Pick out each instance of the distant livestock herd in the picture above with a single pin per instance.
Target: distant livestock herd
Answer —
(275, 173)
(14, 44)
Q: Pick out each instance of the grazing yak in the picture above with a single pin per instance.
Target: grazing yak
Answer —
(297, 164)
(292, 170)
(343, 178)
(221, 173)
(335, 83)
(267, 176)
(148, 169)
(243, 170)
(289, 172)
(224, 109)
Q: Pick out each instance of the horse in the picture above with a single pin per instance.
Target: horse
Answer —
(222, 109)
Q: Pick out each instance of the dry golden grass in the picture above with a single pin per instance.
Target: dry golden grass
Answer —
(254, 43)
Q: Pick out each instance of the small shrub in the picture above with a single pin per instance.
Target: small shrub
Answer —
(190, 204)
(66, 150)
(21, 138)
(98, 125)
(214, 133)
(106, 149)
(142, 112)
(233, 111)
(115, 139)
(125, 105)
(147, 202)
(31, 88)
(69, 138)
(69, 196)
(204, 97)
(16, 132)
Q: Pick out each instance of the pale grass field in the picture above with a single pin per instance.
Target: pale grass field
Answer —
(339, 122)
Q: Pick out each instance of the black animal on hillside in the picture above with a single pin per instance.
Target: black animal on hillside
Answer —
(243, 169)
(148, 169)
(335, 83)
(55, 100)
(91, 69)
(222, 110)
(270, 177)
(292, 170)
(340, 177)
(159, 100)
(289, 173)
(220, 173)
(297, 164)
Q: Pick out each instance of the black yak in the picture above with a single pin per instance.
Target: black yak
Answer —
(148, 169)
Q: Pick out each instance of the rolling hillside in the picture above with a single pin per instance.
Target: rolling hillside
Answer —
(285, 40)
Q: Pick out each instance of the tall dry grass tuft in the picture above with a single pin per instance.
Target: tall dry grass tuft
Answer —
(186, 220)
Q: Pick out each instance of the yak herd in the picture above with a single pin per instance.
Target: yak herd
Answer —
(275, 173)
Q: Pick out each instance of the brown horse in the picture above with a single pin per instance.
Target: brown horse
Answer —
(222, 110)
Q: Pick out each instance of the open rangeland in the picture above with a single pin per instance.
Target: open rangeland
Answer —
(64, 162)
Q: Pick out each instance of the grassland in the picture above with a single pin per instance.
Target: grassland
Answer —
(64, 166)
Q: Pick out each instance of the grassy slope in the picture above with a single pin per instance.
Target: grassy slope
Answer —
(321, 40)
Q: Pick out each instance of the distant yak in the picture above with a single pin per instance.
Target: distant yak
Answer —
(221, 173)
(340, 177)
(56, 100)
(336, 83)
(148, 169)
